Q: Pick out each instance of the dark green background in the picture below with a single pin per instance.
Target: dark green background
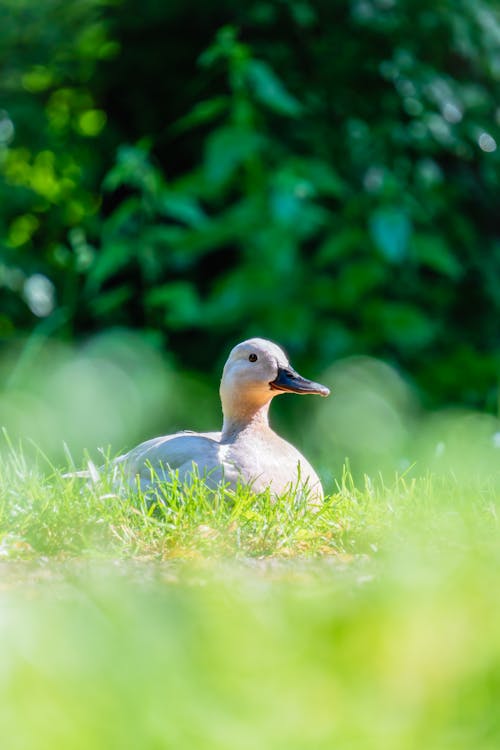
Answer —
(317, 172)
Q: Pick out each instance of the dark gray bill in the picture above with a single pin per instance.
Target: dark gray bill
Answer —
(290, 381)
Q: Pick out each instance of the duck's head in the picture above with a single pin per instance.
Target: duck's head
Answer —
(256, 371)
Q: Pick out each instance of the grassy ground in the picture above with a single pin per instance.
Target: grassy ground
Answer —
(233, 622)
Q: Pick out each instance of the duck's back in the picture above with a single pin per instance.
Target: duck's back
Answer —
(182, 452)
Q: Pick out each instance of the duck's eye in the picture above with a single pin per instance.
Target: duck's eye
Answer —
(252, 357)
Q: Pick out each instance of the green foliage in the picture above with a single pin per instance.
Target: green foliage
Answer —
(321, 173)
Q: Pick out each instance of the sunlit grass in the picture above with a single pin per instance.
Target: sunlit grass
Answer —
(46, 511)
(43, 511)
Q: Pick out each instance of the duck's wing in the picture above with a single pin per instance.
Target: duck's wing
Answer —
(156, 458)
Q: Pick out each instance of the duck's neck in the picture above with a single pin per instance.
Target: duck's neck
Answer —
(242, 417)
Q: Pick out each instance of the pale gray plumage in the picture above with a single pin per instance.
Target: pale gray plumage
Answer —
(247, 450)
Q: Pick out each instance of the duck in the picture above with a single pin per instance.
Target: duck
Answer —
(246, 451)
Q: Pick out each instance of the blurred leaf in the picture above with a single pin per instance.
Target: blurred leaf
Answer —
(285, 206)
(91, 122)
(291, 204)
(132, 168)
(390, 229)
(112, 257)
(341, 244)
(230, 226)
(432, 251)
(164, 236)
(402, 324)
(184, 208)
(356, 280)
(226, 149)
(179, 301)
(39, 78)
(303, 14)
(124, 219)
(324, 177)
(336, 341)
(225, 45)
(111, 300)
(202, 113)
(270, 91)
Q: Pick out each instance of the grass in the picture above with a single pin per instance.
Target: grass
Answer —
(226, 621)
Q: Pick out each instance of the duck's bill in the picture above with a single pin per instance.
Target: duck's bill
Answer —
(290, 381)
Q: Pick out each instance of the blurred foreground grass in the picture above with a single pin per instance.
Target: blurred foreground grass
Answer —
(235, 623)
(253, 656)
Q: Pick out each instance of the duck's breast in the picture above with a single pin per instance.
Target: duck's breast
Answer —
(269, 461)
